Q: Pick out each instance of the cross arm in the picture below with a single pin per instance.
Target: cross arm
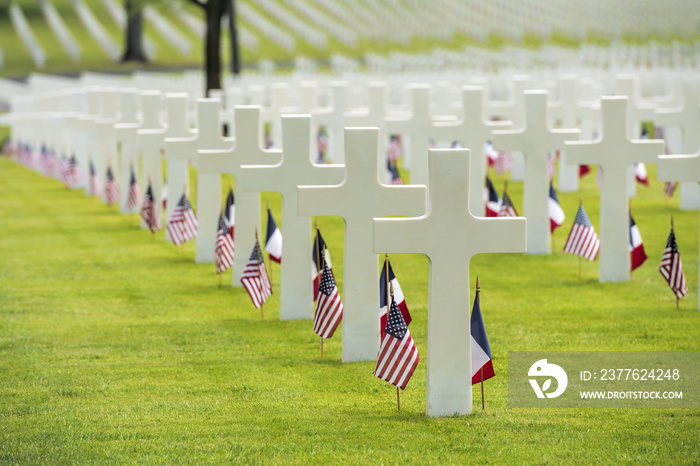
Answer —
(402, 235)
(510, 140)
(583, 153)
(215, 162)
(679, 167)
(321, 200)
(179, 148)
(648, 150)
(501, 235)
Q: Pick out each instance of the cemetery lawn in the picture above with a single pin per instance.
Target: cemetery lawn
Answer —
(116, 349)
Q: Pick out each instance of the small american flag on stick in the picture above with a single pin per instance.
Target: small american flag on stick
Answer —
(182, 225)
(223, 253)
(134, 197)
(149, 211)
(255, 279)
(329, 308)
(671, 268)
(111, 188)
(583, 240)
(398, 356)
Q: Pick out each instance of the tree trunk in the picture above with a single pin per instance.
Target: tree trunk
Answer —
(133, 47)
(233, 35)
(212, 47)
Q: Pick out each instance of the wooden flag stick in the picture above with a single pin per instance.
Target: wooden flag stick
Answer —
(386, 290)
(398, 399)
(321, 346)
(318, 254)
(478, 297)
(257, 258)
(388, 309)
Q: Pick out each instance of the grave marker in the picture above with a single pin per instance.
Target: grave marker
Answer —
(680, 168)
(296, 168)
(448, 219)
(472, 131)
(358, 199)
(615, 153)
(245, 151)
(535, 140)
(180, 150)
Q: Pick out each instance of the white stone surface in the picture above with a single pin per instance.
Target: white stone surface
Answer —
(245, 151)
(685, 117)
(535, 140)
(615, 153)
(680, 168)
(358, 199)
(448, 219)
(178, 151)
(296, 168)
(472, 130)
(149, 141)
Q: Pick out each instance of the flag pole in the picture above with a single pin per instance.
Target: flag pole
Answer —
(580, 204)
(318, 254)
(269, 259)
(257, 258)
(677, 299)
(481, 371)
(388, 309)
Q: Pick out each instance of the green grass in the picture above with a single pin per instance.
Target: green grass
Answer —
(114, 349)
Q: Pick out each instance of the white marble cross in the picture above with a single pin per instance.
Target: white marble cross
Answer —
(176, 170)
(535, 140)
(86, 122)
(149, 141)
(373, 116)
(680, 168)
(104, 126)
(615, 153)
(473, 130)
(179, 150)
(567, 113)
(333, 118)
(513, 110)
(296, 168)
(246, 151)
(450, 235)
(125, 132)
(358, 199)
(418, 126)
(686, 117)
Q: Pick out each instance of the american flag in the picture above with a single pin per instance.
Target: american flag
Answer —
(111, 188)
(503, 163)
(149, 211)
(52, 166)
(670, 188)
(223, 254)
(507, 207)
(230, 212)
(95, 187)
(583, 170)
(65, 169)
(255, 279)
(322, 144)
(671, 267)
(395, 150)
(316, 266)
(329, 308)
(73, 176)
(134, 197)
(394, 175)
(582, 240)
(182, 225)
(398, 356)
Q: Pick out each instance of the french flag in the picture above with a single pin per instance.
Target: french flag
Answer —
(637, 254)
(481, 352)
(556, 213)
(384, 298)
(492, 201)
(640, 173)
(273, 241)
(230, 212)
